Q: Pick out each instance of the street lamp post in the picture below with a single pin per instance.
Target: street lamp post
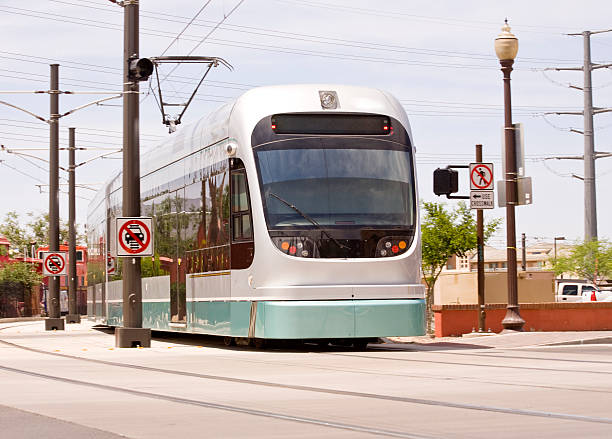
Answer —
(555, 239)
(506, 48)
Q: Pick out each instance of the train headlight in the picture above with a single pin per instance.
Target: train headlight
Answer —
(298, 246)
(391, 246)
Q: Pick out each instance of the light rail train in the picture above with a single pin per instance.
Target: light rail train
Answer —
(289, 213)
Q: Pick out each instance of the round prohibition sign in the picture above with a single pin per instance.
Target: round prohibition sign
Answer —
(134, 237)
(55, 263)
(481, 177)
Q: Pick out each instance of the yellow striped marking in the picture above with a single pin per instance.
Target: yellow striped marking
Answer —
(221, 273)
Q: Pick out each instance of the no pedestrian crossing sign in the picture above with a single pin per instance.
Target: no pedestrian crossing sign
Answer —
(134, 236)
(481, 176)
(54, 263)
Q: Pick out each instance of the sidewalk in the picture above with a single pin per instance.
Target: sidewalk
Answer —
(87, 336)
(512, 340)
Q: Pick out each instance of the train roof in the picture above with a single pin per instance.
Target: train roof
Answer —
(255, 104)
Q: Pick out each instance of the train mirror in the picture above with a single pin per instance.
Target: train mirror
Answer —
(446, 181)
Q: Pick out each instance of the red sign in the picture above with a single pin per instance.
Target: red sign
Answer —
(110, 264)
(481, 176)
(134, 236)
(54, 264)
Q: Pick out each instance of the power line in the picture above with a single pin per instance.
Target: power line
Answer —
(257, 46)
(400, 15)
(185, 28)
(225, 17)
(82, 130)
(69, 64)
(3, 162)
(317, 38)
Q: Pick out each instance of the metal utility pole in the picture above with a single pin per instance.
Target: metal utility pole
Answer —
(54, 321)
(524, 252)
(480, 249)
(73, 316)
(131, 334)
(590, 200)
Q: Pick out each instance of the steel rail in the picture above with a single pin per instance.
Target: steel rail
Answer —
(224, 407)
(409, 400)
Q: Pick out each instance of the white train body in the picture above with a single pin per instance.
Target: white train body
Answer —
(288, 258)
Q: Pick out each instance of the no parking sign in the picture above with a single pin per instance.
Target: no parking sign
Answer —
(134, 236)
(54, 263)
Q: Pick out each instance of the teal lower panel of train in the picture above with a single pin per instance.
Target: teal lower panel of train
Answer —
(304, 319)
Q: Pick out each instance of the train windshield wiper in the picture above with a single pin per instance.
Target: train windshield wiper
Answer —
(309, 219)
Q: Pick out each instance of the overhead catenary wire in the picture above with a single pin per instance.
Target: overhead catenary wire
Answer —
(185, 28)
(225, 17)
(262, 47)
(314, 38)
(3, 163)
(402, 15)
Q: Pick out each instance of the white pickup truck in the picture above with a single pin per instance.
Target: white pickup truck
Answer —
(577, 292)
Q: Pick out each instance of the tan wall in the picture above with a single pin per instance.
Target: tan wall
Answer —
(461, 288)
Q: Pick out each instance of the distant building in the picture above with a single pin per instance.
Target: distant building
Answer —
(18, 303)
(537, 258)
(4, 250)
(457, 283)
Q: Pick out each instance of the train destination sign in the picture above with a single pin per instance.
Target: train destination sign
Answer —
(481, 176)
(482, 200)
(134, 236)
(54, 263)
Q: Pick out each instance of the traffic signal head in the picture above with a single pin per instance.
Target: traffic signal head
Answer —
(140, 69)
(446, 181)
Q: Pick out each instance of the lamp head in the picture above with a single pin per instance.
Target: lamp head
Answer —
(506, 44)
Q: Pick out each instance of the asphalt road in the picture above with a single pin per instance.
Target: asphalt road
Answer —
(75, 384)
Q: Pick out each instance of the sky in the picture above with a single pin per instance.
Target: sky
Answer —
(437, 58)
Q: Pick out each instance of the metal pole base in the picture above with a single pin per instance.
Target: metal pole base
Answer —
(132, 337)
(73, 318)
(54, 324)
(513, 322)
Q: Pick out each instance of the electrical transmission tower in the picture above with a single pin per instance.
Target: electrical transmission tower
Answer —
(590, 202)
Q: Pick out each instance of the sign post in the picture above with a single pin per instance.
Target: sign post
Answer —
(133, 240)
(54, 265)
(480, 175)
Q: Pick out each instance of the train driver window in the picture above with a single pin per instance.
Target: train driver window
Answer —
(241, 211)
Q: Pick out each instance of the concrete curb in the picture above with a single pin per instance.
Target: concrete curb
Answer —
(21, 319)
(601, 340)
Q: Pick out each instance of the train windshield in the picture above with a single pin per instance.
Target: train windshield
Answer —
(334, 183)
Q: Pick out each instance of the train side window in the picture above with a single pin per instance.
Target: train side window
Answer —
(241, 210)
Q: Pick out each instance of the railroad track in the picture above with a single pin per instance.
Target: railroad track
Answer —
(331, 424)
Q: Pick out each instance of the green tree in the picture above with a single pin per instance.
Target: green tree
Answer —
(12, 229)
(20, 272)
(21, 233)
(39, 229)
(445, 233)
(591, 260)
